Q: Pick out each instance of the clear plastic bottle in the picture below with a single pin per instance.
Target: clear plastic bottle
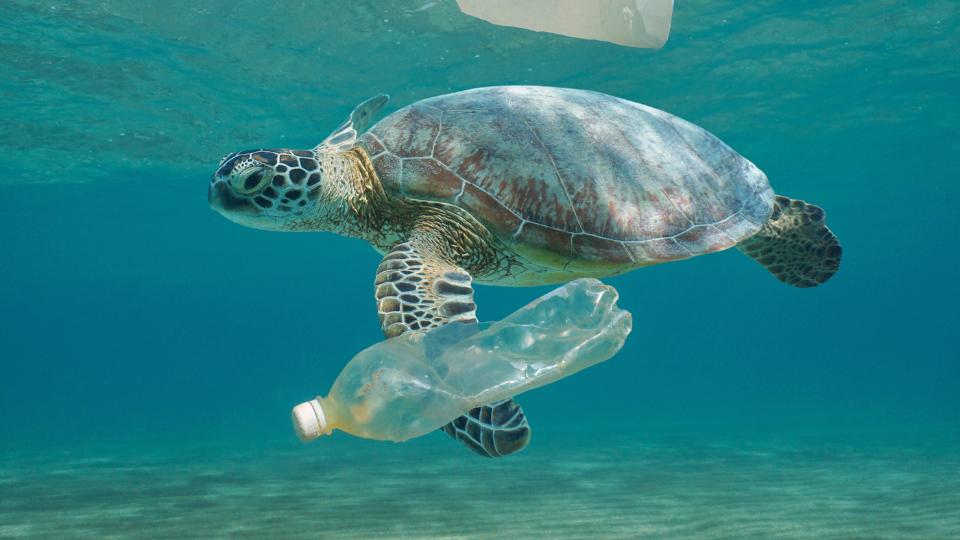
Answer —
(415, 383)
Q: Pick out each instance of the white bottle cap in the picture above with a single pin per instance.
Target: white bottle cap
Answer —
(309, 420)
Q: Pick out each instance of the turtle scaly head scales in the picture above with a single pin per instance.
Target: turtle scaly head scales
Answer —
(327, 188)
(286, 190)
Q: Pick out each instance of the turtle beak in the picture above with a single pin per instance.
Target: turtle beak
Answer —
(223, 200)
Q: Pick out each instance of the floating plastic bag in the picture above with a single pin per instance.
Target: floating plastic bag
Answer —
(635, 23)
(413, 384)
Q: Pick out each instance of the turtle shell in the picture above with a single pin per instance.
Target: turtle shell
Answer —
(573, 177)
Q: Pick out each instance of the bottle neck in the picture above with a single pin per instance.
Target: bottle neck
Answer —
(330, 410)
(314, 418)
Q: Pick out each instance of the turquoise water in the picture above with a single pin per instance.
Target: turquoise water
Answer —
(150, 350)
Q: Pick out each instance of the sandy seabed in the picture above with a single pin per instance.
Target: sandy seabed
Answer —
(591, 486)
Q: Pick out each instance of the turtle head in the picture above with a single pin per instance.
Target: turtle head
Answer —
(322, 189)
(268, 189)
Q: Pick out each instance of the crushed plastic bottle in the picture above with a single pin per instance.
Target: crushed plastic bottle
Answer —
(634, 23)
(413, 384)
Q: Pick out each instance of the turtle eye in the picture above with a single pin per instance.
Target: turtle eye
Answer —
(251, 179)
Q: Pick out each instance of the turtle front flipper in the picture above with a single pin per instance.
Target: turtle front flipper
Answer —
(494, 430)
(345, 136)
(418, 291)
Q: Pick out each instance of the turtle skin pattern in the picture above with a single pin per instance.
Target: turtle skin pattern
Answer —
(795, 245)
(496, 430)
(418, 293)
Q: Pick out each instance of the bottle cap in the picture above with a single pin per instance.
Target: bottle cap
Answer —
(309, 420)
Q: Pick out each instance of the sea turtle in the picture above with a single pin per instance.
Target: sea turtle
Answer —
(520, 185)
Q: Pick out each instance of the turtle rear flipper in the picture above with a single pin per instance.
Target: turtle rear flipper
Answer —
(417, 290)
(795, 245)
